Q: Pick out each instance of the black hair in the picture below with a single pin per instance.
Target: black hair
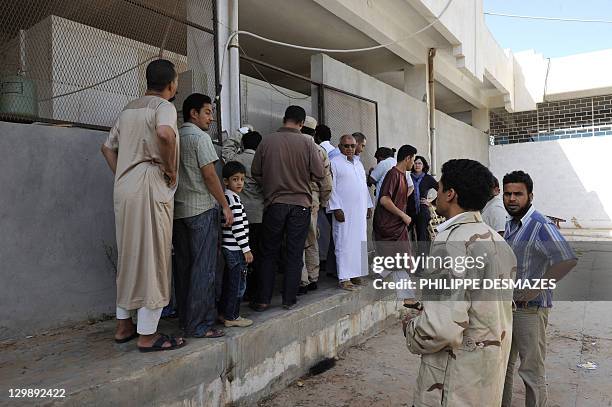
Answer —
(519, 177)
(471, 181)
(308, 130)
(323, 133)
(495, 182)
(232, 168)
(295, 114)
(194, 101)
(405, 151)
(384, 152)
(251, 140)
(425, 163)
(160, 73)
(359, 136)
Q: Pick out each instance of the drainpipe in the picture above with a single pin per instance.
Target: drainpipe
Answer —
(433, 144)
(234, 70)
(229, 66)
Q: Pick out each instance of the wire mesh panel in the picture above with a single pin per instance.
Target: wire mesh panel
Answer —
(82, 61)
(346, 114)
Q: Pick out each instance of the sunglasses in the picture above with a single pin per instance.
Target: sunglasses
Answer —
(349, 145)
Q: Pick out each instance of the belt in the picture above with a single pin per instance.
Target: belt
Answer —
(527, 304)
(470, 344)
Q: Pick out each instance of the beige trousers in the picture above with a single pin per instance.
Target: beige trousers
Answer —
(529, 344)
(310, 271)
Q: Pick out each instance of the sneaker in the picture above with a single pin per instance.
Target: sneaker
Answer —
(302, 290)
(347, 285)
(239, 322)
(312, 286)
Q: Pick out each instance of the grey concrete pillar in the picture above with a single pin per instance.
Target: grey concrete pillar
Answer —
(415, 81)
(480, 119)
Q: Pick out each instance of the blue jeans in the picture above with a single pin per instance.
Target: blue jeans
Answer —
(234, 283)
(195, 248)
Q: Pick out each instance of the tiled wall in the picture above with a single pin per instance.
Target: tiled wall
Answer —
(584, 117)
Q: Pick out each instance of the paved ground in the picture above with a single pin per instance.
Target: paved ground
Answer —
(381, 372)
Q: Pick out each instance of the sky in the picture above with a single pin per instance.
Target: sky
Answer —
(551, 38)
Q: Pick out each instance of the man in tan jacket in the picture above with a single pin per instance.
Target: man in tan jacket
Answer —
(321, 190)
(463, 333)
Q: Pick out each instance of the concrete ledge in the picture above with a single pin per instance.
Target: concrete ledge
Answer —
(241, 368)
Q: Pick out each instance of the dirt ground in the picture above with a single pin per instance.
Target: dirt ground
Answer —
(381, 372)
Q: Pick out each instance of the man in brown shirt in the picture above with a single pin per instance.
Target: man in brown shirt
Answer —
(390, 222)
(284, 164)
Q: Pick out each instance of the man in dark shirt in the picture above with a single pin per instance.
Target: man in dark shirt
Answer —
(284, 164)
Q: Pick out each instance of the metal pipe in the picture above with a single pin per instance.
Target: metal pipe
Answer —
(234, 70)
(433, 150)
(22, 53)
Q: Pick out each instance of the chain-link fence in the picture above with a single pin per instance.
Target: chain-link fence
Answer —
(82, 61)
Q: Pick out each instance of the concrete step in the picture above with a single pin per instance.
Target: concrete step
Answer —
(247, 364)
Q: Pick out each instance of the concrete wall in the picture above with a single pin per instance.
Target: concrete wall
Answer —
(57, 241)
(402, 119)
(571, 177)
(459, 140)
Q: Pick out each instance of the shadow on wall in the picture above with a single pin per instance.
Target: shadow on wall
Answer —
(571, 177)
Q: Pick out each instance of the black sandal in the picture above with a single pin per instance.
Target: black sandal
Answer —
(159, 344)
(127, 338)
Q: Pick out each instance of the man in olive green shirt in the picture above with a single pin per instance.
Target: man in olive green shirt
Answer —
(196, 221)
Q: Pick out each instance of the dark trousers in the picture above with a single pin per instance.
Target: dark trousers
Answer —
(255, 243)
(195, 249)
(420, 224)
(283, 220)
(330, 262)
(234, 283)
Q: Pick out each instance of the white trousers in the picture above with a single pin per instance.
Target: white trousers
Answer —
(147, 319)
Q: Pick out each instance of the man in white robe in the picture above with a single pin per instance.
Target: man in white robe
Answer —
(351, 206)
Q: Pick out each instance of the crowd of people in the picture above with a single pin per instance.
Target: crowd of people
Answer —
(260, 216)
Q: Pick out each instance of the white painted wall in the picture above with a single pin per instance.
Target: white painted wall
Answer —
(477, 53)
(571, 177)
(402, 119)
(570, 77)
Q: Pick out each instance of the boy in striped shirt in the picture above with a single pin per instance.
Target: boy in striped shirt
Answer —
(235, 247)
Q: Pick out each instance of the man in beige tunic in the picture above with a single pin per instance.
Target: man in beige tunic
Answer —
(464, 335)
(142, 151)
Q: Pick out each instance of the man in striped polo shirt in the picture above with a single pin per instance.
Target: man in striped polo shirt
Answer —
(542, 254)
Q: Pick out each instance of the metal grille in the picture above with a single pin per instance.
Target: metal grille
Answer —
(347, 114)
(82, 61)
(265, 93)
